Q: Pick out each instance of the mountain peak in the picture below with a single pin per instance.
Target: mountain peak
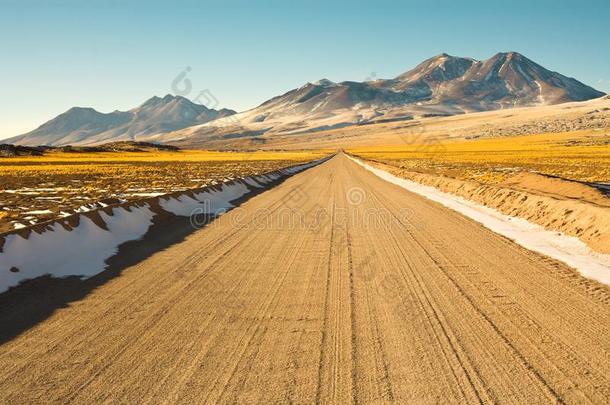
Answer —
(510, 56)
(80, 110)
(441, 56)
(151, 101)
(445, 57)
(503, 63)
(510, 53)
(439, 68)
(156, 101)
(80, 125)
(324, 83)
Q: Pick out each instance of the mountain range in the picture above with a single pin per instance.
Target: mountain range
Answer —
(441, 85)
(86, 126)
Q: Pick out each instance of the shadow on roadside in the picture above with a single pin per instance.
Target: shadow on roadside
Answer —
(33, 301)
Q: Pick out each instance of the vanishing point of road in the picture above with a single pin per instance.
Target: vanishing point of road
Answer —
(387, 297)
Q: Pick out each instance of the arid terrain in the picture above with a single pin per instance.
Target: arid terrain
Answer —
(416, 306)
(330, 285)
(266, 202)
(591, 116)
(35, 189)
(582, 156)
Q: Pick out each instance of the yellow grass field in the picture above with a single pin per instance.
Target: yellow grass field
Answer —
(580, 155)
(38, 188)
(60, 161)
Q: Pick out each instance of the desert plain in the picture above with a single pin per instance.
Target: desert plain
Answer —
(334, 285)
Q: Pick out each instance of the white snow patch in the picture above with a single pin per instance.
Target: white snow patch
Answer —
(21, 192)
(39, 212)
(540, 95)
(567, 249)
(218, 201)
(81, 251)
(146, 194)
(84, 208)
(206, 202)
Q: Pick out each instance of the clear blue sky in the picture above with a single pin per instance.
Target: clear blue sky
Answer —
(116, 54)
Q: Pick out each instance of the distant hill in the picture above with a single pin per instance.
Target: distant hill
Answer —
(9, 150)
(120, 146)
(84, 126)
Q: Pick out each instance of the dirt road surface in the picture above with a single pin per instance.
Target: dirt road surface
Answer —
(385, 296)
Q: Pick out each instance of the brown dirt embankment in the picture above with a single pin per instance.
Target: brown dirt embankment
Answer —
(569, 207)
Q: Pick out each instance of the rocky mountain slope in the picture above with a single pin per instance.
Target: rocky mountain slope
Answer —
(441, 85)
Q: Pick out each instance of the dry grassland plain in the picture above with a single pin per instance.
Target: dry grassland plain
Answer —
(35, 189)
(560, 181)
(581, 156)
